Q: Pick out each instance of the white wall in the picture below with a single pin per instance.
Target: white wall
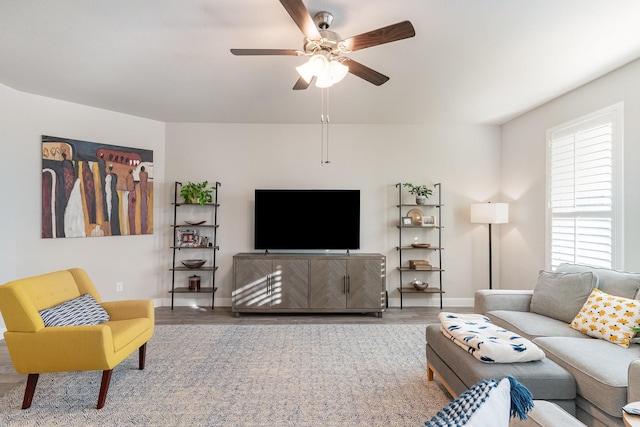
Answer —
(465, 159)
(523, 172)
(134, 260)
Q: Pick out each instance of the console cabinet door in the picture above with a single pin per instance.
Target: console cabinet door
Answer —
(364, 284)
(328, 284)
(251, 279)
(290, 283)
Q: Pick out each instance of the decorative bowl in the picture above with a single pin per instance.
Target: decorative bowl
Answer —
(421, 245)
(195, 222)
(420, 285)
(193, 263)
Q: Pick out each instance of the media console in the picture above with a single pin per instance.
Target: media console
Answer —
(314, 283)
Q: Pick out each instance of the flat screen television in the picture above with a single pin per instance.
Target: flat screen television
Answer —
(307, 219)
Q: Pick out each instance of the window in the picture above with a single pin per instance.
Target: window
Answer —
(584, 190)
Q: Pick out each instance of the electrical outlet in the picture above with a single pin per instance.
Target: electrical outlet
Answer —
(119, 286)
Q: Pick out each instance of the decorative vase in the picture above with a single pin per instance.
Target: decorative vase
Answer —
(194, 283)
(421, 200)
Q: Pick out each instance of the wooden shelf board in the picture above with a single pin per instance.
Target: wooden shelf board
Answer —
(192, 226)
(195, 204)
(428, 205)
(412, 290)
(430, 248)
(193, 269)
(194, 247)
(413, 269)
(185, 290)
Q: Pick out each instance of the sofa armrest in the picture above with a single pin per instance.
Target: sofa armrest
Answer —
(633, 386)
(129, 309)
(487, 300)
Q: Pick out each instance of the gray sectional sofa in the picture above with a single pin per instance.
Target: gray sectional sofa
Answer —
(607, 375)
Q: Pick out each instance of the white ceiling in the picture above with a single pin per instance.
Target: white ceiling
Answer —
(471, 61)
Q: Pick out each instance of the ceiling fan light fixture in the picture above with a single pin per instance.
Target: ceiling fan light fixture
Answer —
(324, 81)
(306, 71)
(337, 71)
(319, 64)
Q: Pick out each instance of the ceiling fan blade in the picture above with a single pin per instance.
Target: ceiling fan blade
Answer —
(302, 84)
(391, 33)
(366, 73)
(301, 17)
(241, 52)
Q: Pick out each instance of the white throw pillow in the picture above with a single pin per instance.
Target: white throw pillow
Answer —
(489, 403)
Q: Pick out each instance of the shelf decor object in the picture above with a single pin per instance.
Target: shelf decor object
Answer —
(193, 263)
(490, 213)
(419, 243)
(422, 192)
(200, 193)
(416, 215)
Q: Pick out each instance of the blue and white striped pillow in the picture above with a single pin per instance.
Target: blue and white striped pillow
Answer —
(84, 310)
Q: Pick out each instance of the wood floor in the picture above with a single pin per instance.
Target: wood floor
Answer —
(221, 315)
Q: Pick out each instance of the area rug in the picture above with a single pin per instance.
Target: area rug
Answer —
(249, 375)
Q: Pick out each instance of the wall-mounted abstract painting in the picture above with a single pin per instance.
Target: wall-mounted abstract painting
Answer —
(91, 189)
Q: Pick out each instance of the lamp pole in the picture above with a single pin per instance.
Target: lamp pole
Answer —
(490, 258)
(490, 213)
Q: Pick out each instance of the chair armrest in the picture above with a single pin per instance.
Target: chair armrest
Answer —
(633, 386)
(130, 309)
(487, 300)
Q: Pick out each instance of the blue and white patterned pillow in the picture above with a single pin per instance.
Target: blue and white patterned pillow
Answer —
(489, 403)
(84, 310)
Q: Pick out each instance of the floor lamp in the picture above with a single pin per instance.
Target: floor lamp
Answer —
(490, 213)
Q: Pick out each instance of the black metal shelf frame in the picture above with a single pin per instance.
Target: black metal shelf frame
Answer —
(402, 289)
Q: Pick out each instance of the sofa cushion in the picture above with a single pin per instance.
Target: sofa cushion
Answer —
(608, 317)
(532, 325)
(546, 414)
(544, 378)
(613, 282)
(83, 310)
(589, 361)
(561, 295)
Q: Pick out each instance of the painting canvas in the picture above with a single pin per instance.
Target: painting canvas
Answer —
(91, 189)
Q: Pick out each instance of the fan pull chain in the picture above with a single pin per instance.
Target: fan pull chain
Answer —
(324, 128)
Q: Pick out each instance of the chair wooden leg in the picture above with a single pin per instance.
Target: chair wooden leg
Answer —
(32, 381)
(142, 351)
(104, 387)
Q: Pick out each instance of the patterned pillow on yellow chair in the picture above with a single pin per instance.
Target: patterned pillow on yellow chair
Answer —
(608, 317)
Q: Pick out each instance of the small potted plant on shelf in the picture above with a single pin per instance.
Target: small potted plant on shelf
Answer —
(196, 193)
(422, 192)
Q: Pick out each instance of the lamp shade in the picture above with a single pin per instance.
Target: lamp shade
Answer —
(490, 213)
(337, 71)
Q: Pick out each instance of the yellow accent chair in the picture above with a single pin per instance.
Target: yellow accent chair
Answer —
(35, 349)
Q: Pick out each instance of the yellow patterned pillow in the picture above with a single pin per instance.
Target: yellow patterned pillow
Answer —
(608, 317)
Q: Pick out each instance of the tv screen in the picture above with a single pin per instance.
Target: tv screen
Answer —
(307, 219)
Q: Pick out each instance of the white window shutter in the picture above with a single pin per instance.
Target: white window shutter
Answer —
(582, 177)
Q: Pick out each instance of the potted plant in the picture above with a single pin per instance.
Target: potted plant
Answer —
(422, 192)
(196, 193)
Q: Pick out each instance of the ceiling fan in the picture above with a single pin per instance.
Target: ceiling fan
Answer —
(325, 48)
